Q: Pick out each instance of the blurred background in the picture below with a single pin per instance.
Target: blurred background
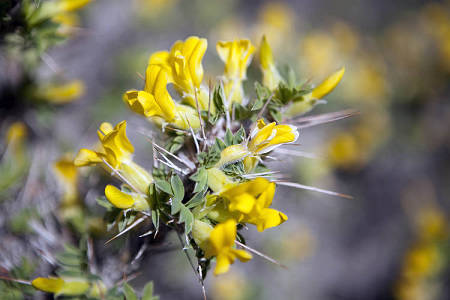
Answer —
(390, 242)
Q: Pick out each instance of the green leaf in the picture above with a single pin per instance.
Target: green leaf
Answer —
(155, 218)
(197, 199)
(187, 218)
(102, 201)
(178, 191)
(147, 293)
(164, 186)
(201, 178)
(239, 136)
(220, 144)
(129, 292)
(229, 137)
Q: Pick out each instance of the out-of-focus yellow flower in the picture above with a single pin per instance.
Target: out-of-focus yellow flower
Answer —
(432, 225)
(344, 150)
(219, 244)
(184, 68)
(72, 5)
(319, 52)
(16, 144)
(124, 200)
(421, 261)
(275, 20)
(231, 286)
(117, 151)
(16, 135)
(68, 286)
(67, 174)
(156, 103)
(309, 100)
(237, 56)
(271, 77)
(61, 93)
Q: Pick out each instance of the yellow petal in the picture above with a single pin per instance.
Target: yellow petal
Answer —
(266, 197)
(195, 59)
(156, 84)
(222, 264)
(243, 203)
(242, 255)
(223, 235)
(50, 285)
(270, 218)
(118, 198)
(86, 157)
(328, 84)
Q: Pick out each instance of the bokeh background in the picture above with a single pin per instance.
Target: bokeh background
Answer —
(390, 242)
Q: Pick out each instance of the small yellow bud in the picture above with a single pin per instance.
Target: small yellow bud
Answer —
(232, 154)
(326, 86)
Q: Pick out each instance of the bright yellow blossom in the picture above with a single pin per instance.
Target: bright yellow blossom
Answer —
(116, 150)
(324, 88)
(184, 68)
(237, 56)
(124, 200)
(219, 243)
(246, 202)
(155, 102)
(271, 77)
(264, 138)
(251, 200)
(267, 137)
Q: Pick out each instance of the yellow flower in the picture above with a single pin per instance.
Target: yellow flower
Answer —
(67, 174)
(251, 200)
(184, 68)
(156, 103)
(265, 138)
(61, 93)
(219, 242)
(232, 154)
(116, 150)
(324, 88)
(237, 56)
(69, 286)
(124, 200)
(271, 77)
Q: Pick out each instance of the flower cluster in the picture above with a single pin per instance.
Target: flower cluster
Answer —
(210, 178)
